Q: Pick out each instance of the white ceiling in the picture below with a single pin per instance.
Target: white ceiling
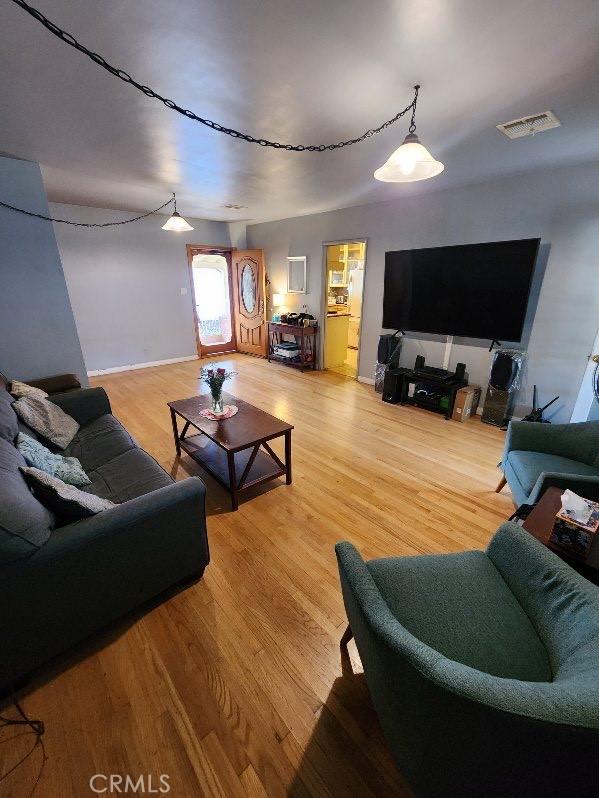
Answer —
(303, 71)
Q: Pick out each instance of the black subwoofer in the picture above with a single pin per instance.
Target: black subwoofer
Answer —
(392, 387)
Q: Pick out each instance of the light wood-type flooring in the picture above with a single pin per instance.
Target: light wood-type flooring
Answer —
(234, 686)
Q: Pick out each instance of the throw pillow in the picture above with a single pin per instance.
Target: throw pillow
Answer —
(20, 389)
(67, 502)
(69, 469)
(47, 419)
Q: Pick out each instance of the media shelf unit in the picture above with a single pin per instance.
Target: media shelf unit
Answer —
(305, 337)
(430, 392)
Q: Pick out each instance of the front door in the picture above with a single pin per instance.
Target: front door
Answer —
(210, 273)
(249, 305)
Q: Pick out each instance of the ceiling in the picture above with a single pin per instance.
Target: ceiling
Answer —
(300, 71)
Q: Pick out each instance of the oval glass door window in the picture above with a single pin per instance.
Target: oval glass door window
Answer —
(248, 288)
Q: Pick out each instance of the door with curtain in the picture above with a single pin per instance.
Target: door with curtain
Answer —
(249, 301)
(210, 271)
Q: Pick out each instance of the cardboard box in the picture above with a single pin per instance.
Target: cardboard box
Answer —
(466, 402)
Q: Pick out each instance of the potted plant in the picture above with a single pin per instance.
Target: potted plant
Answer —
(214, 379)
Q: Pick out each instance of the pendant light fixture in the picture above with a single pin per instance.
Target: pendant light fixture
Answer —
(176, 223)
(412, 161)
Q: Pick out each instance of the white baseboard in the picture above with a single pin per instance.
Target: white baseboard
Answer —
(366, 380)
(132, 366)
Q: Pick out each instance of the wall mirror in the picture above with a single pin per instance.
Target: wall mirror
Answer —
(296, 275)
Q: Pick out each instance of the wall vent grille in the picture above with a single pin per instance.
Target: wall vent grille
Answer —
(529, 125)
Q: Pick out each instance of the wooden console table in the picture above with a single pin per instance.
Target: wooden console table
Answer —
(305, 337)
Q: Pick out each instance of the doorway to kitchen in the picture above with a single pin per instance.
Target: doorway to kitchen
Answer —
(344, 265)
(210, 272)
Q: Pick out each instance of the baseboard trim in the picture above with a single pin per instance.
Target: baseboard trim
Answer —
(365, 380)
(133, 366)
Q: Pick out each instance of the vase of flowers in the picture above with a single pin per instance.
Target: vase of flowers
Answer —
(214, 379)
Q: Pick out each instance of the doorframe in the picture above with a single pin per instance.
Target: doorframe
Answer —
(324, 292)
(227, 253)
(585, 396)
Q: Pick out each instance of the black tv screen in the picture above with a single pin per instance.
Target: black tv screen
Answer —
(471, 290)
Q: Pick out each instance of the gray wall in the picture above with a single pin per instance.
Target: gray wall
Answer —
(561, 206)
(125, 285)
(38, 332)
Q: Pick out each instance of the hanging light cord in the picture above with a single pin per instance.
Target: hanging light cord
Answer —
(87, 224)
(126, 78)
(412, 128)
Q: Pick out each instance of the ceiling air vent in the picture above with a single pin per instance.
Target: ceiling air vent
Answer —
(529, 125)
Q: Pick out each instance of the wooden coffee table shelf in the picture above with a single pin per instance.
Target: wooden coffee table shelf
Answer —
(236, 450)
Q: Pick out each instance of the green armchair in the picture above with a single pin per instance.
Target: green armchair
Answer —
(537, 456)
(483, 667)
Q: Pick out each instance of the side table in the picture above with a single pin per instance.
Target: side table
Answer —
(540, 524)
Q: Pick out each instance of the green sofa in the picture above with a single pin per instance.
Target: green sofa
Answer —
(483, 667)
(61, 582)
(537, 456)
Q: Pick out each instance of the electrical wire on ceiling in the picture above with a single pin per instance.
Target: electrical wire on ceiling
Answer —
(69, 39)
(86, 224)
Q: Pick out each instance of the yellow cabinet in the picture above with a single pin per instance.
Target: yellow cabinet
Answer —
(335, 345)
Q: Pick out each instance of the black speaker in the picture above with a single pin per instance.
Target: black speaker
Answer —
(392, 387)
(388, 350)
(503, 371)
(460, 371)
(501, 391)
(419, 364)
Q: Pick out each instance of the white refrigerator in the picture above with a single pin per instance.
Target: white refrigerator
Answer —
(355, 291)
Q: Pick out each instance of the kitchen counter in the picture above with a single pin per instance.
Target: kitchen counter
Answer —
(332, 313)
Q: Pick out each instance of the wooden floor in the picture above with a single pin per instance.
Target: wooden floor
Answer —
(234, 687)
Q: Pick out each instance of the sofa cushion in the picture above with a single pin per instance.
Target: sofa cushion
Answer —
(527, 466)
(8, 418)
(132, 473)
(99, 442)
(67, 502)
(482, 626)
(25, 524)
(47, 419)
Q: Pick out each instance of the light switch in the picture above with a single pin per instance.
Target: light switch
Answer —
(184, 292)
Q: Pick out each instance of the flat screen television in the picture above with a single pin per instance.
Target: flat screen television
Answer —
(471, 290)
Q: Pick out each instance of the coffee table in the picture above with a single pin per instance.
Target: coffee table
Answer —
(233, 446)
(539, 523)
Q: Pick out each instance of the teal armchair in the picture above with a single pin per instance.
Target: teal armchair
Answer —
(537, 456)
(483, 667)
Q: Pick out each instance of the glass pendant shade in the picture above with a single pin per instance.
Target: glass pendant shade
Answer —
(177, 224)
(409, 163)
